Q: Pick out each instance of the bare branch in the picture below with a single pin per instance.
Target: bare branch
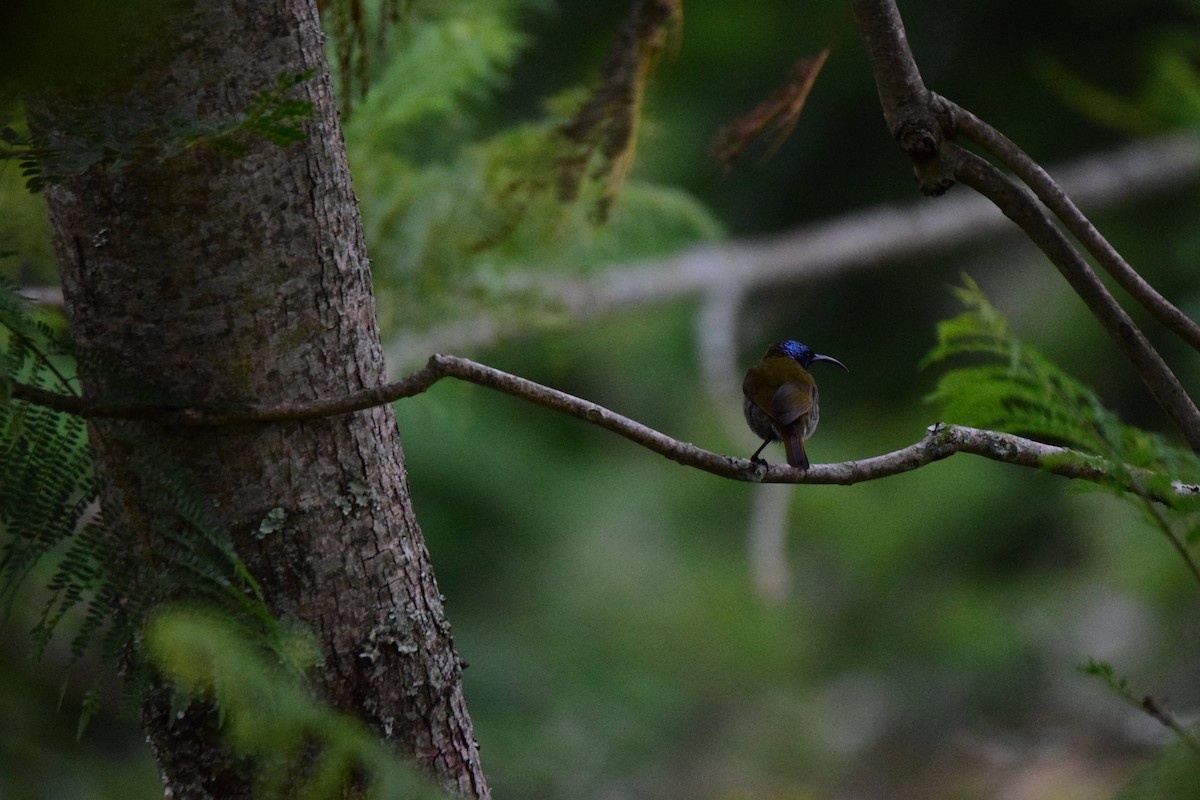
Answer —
(1057, 200)
(914, 115)
(1159, 712)
(902, 91)
(48, 296)
(925, 133)
(940, 441)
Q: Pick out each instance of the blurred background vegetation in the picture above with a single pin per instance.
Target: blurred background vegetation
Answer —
(621, 640)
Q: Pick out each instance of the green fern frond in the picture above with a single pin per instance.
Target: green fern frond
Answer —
(301, 747)
(1012, 387)
(495, 208)
(1008, 385)
(444, 62)
(45, 469)
(452, 211)
(51, 522)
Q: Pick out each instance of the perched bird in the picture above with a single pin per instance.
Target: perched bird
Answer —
(781, 398)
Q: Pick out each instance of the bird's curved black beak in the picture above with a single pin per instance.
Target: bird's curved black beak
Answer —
(831, 360)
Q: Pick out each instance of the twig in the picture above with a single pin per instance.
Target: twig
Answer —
(1166, 718)
(1057, 200)
(940, 441)
(1146, 703)
(1164, 525)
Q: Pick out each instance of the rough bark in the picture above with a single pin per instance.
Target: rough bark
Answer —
(200, 274)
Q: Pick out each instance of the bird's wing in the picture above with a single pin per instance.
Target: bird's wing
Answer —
(790, 402)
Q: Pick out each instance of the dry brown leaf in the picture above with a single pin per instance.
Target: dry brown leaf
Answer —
(777, 114)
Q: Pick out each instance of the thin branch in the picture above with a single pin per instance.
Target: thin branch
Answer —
(1164, 525)
(766, 539)
(1146, 704)
(49, 296)
(940, 441)
(925, 134)
(1057, 200)
(1021, 207)
(1166, 718)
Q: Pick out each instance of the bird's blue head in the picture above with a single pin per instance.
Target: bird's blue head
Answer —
(803, 354)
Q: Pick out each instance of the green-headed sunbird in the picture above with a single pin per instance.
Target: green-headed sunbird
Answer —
(781, 399)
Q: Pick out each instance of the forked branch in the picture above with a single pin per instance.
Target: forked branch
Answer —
(925, 125)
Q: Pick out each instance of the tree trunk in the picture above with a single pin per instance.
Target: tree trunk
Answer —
(206, 270)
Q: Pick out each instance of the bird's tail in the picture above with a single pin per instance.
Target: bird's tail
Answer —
(793, 445)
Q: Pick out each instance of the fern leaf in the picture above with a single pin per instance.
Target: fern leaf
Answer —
(51, 520)
(1008, 385)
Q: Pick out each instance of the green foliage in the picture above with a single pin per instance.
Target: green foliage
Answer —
(16, 146)
(460, 223)
(1168, 98)
(1173, 773)
(301, 747)
(1014, 388)
(51, 523)
(445, 62)
(45, 474)
(25, 249)
(271, 115)
(1026, 393)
